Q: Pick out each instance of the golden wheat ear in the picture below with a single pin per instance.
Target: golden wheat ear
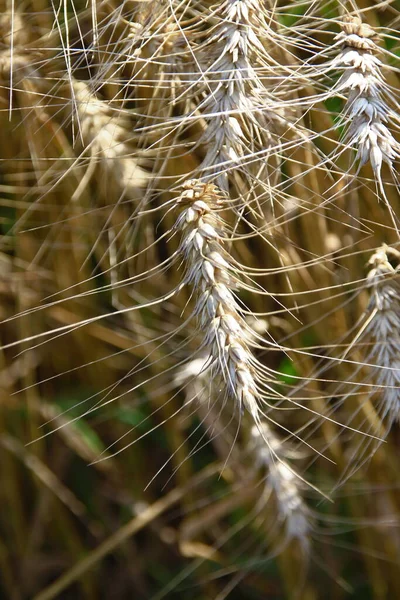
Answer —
(209, 272)
(370, 396)
(383, 330)
(287, 486)
(369, 113)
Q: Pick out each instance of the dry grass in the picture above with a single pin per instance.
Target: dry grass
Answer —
(129, 468)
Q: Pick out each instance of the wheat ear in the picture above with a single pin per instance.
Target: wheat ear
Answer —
(106, 134)
(376, 374)
(209, 272)
(384, 329)
(366, 110)
(285, 484)
(234, 102)
(280, 478)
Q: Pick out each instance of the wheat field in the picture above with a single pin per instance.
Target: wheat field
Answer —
(200, 299)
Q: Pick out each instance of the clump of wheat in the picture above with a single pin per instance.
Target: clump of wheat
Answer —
(114, 104)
